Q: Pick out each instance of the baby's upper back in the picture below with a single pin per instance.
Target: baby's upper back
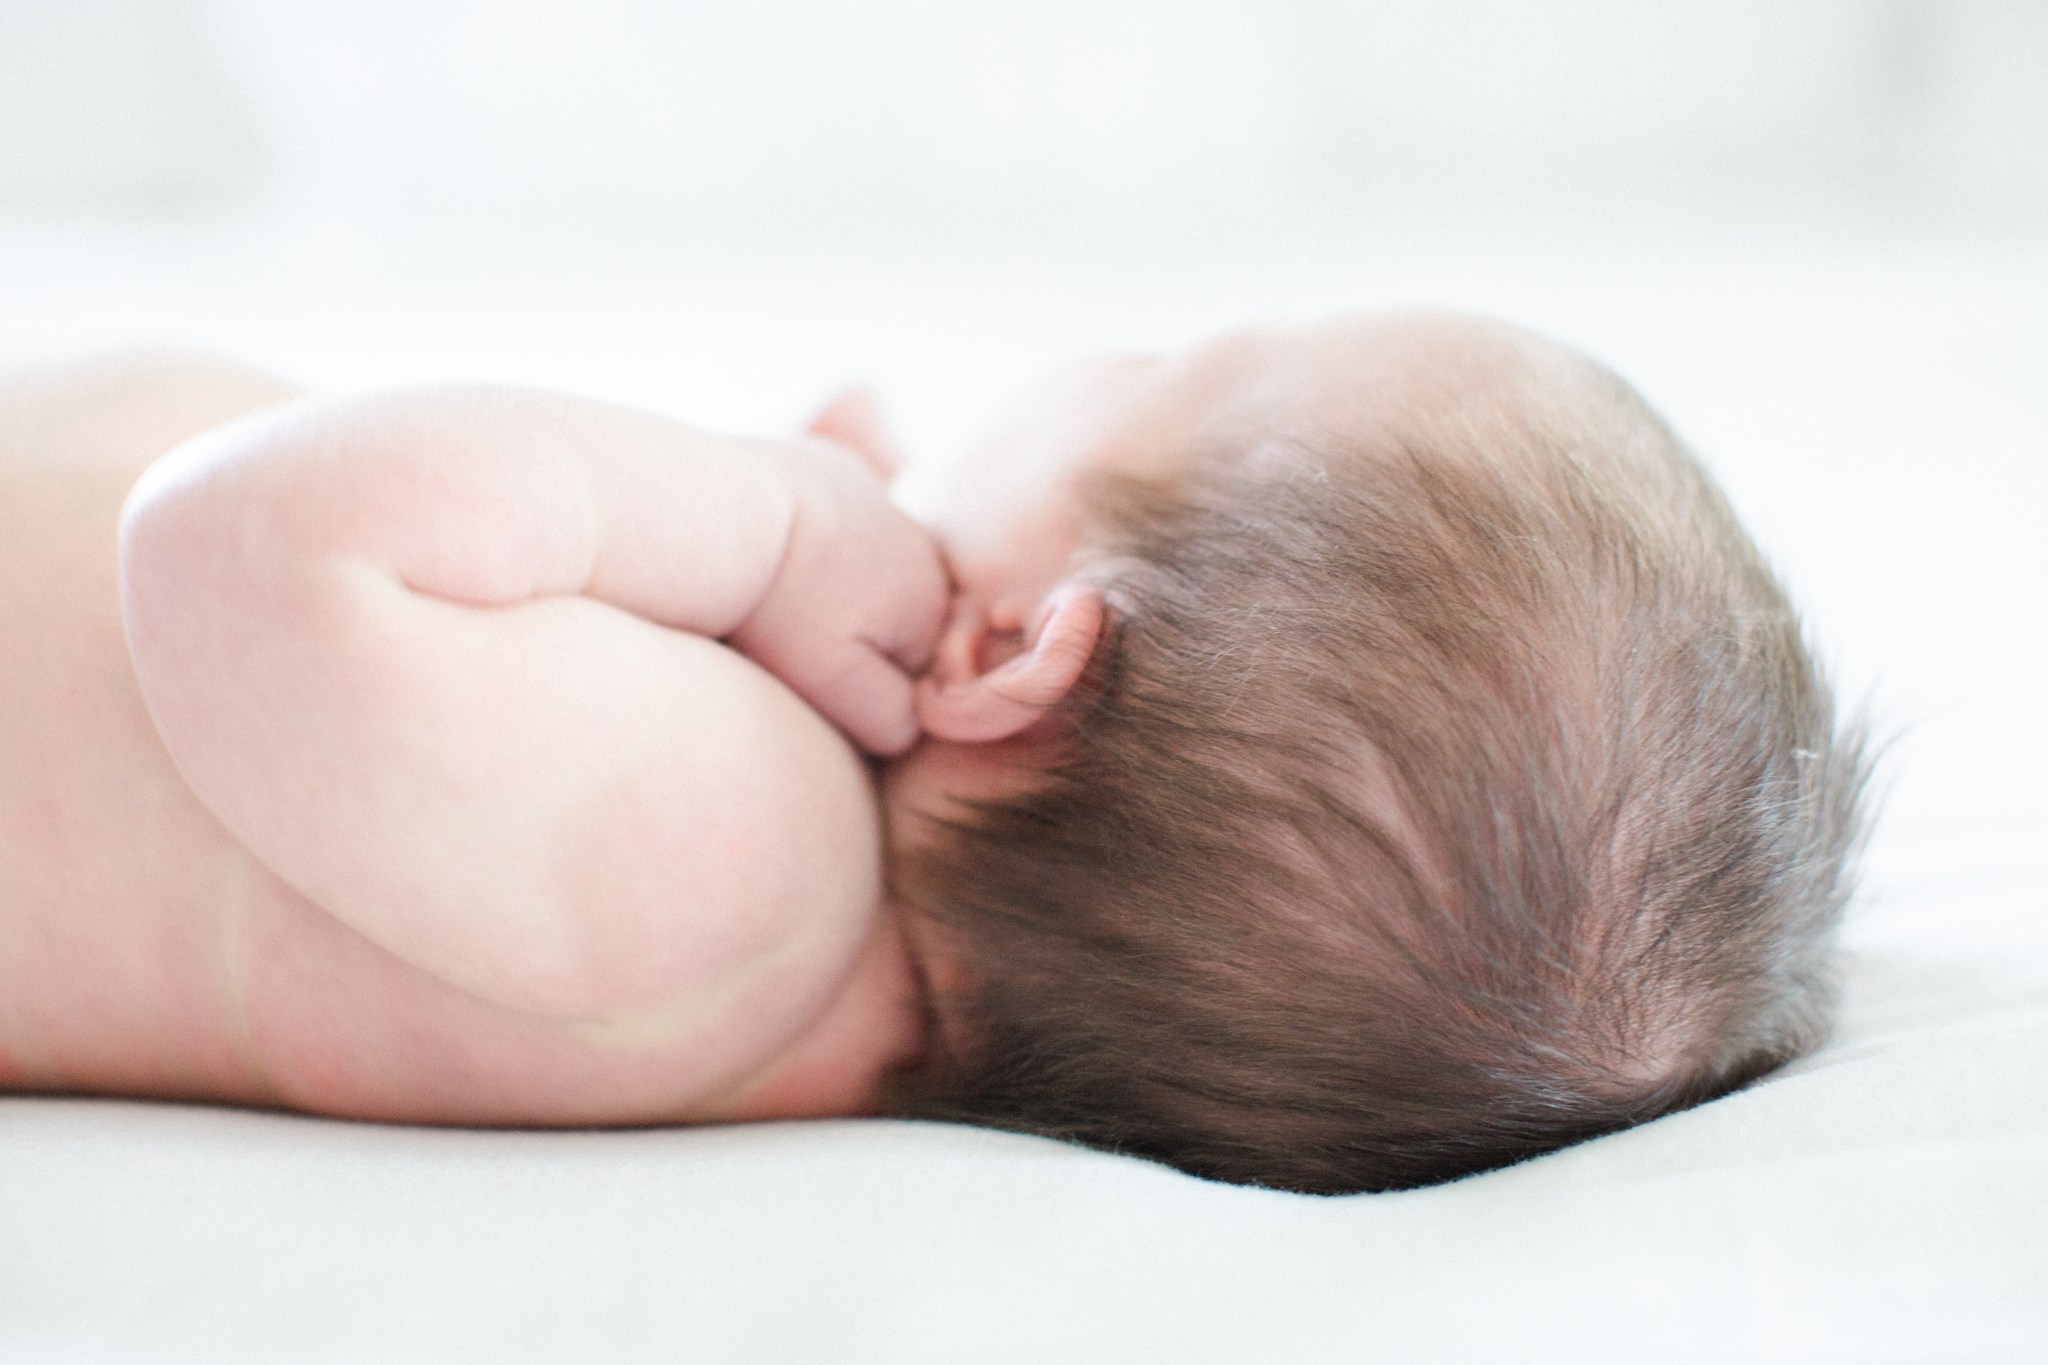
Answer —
(144, 950)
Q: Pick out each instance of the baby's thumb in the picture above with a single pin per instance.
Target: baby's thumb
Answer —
(854, 419)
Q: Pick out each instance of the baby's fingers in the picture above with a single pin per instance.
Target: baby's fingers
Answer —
(909, 608)
(870, 698)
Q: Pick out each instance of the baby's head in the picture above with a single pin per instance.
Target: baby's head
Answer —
(1361, 756)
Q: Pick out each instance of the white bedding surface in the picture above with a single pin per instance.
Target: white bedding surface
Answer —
(1879, 414)
(1887, 1202)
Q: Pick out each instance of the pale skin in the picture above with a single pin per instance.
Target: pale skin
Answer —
(487, 756)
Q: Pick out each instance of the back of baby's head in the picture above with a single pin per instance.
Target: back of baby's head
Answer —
(1451, 788)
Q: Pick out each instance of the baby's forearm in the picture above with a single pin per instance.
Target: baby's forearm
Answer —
(490, 496)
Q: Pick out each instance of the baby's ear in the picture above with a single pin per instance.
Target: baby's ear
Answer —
(854, 419)
(965, 703)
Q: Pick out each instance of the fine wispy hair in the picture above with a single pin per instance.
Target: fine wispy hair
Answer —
(1446, 792)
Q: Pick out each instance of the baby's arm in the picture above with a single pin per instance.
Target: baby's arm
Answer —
(447, 663)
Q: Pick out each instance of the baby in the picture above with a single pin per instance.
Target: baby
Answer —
(1341, 758)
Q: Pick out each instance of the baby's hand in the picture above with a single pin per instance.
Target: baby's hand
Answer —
(855, 607)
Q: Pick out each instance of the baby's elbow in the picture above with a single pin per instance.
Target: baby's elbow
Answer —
(177, 523)
(164, 552)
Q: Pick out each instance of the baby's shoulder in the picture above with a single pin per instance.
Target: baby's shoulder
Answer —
(122, 409)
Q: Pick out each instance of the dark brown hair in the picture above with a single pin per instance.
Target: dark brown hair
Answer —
(1447, 792)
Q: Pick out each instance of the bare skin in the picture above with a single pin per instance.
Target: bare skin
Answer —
(317, 791)
(144, 950)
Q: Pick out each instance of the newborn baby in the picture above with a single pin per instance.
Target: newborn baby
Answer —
(1336, 759)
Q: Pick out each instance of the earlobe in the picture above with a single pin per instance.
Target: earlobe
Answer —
(964, 705)
(854, 419)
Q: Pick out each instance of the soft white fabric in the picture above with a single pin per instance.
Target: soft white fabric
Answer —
(1888, 1201)
(1880, 417)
